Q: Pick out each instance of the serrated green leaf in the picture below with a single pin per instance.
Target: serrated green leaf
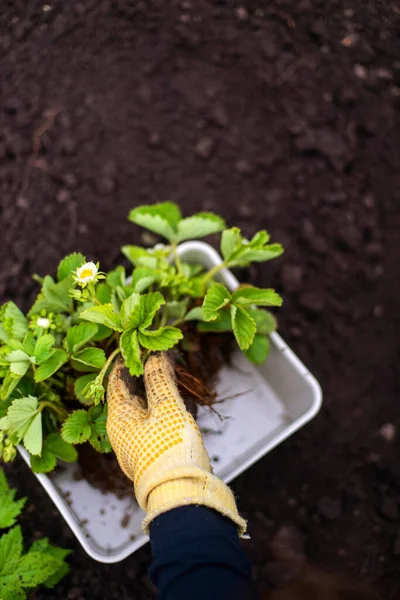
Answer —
(11, 591)
(44, 463)
(264, 320)
(69, 264)
(104, 315)
(131, 352)
(10, 508)
(21, 414)
(199, 225)
(99, 438)
(149, 306)
(79, 335)
(177, 309)
(244, 327)
(34, 568)
(14, 322)
(248, 296)
(103, 293)
(62, 449)
(19, 362)
(29, 343)
(216, 298)
(139, 257)
(117, 277)
(10, 550)
(76, 428)
(79, 386)
(44, 348)
(54, 297)
(33, 438)
(230, 240)
(163, 338)
(221, 324)
(130, 311)
(51, 365)
(9, 384)
(143, 278)
(103, 333)
(88, 359)
(161, 218)
(248, 255)
(60, 554)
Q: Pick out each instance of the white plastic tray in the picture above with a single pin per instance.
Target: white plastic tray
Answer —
(264, 406)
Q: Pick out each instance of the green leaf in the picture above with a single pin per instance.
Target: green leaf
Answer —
(217, 297)
(14, 322)
(230, 240)
(88, 359)
(103, 333)
(265, 321)
(29, 343)
(12, 591)
(247, 296)
(79, 386)
(222, 323)
(244, 327)
(76, 428)
(21, 414)
(44, 348)
(9, 384)
(79, 335)
(10, 550)
(44, 463)
(149, 306)
(161, 218)
(177, 308)
(248, 255)
(33, 438)
(199, 225)
(10, 508)
(99, 438)
(160, 339)
(103, 293)
(69, 264)
(117, 277)
(62, 449)
(139, 257)
(104, 315)
(60, 554)
(34, 568)
(142, 278)
(131, 352)
(51, 365)
(54, 297)
(195, 314)
(130, 311)
(19, 362)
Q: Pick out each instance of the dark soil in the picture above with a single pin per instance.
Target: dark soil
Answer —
(282, 115)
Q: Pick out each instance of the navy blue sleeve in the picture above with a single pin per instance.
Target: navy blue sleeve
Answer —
(197, 554)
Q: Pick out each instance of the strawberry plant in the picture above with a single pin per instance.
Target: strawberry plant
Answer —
(42, 564)
(54, 360)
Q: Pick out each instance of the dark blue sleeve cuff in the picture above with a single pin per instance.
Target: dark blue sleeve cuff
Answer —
(197, 554)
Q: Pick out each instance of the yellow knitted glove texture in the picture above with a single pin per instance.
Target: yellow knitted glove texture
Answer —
(160, 448)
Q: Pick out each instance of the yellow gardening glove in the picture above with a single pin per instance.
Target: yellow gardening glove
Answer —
(160, 448)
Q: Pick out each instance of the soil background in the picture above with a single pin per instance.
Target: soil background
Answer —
(281, 115)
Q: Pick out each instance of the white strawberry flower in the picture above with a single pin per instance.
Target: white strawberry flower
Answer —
(43, 322)
(86, 273)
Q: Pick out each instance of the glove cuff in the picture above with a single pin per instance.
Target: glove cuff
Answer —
(206, 490)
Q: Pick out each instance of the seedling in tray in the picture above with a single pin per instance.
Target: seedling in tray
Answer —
(54, 360)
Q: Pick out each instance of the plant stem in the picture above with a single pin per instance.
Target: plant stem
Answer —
(57, 383)
(61, 412)
(178, 261)
(212, 272)
(108, 362)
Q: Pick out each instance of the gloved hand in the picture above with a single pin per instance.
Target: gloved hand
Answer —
(160, 448)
